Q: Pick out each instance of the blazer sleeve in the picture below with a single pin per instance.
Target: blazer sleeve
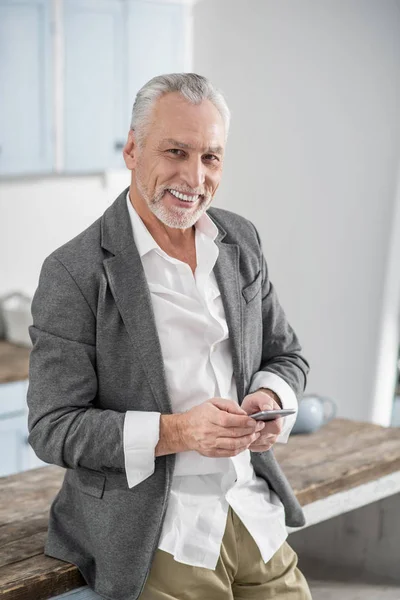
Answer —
(65, 426)
(281, 350)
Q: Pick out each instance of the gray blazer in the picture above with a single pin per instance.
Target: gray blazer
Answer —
(96, 354)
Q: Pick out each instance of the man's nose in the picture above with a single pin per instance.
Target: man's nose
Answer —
(194, 173)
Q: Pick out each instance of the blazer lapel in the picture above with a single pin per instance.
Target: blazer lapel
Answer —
(132, 296)
(226, 272)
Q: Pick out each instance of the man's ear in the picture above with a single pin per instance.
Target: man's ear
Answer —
(130, 151)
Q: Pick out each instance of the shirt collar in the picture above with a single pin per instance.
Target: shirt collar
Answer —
(145, 241)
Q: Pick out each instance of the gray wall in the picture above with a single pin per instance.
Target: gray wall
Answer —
(314, 87)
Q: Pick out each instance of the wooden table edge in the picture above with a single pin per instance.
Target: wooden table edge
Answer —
(319, 502)
(67, 577)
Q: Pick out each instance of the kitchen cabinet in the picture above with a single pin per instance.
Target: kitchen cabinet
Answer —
(155, 35)
(93, 85)
(111, 48)
(25, 87)
(15, 453)
(69, 73)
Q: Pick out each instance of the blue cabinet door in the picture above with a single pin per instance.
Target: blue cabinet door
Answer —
(15, 453)
(93, 66)
(12, 444)
(25, 87)
(13, 426)
(155, 37)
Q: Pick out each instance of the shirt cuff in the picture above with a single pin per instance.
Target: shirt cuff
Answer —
(141, 435)
(265, 379)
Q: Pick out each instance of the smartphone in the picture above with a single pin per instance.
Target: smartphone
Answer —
(270, 415)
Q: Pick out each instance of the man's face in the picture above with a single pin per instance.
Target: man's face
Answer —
(182, 153)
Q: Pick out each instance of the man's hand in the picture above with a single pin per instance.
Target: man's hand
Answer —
(263, 400)
(218, 428)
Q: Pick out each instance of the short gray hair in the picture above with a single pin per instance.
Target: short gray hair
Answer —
(193, 87)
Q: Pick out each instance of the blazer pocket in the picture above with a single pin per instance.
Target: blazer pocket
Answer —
(250, 291)
(90, 482)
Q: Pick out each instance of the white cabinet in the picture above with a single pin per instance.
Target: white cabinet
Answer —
(15, 453)
(25, 87)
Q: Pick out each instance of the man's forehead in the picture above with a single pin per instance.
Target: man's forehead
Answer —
(215, 149)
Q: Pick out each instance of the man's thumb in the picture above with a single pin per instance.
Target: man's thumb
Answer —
(229, 406)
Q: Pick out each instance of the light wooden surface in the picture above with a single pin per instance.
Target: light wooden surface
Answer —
(14, 362)
(339, 457)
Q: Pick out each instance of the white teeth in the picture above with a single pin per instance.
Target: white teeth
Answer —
(183, 196)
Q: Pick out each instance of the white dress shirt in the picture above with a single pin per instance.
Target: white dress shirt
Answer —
(194, 338)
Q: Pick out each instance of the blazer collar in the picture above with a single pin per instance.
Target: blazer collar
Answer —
(116, 229)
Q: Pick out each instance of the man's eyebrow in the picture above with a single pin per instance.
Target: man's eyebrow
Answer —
(183, 146)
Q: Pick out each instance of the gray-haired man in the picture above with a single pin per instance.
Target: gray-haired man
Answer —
(156, 332)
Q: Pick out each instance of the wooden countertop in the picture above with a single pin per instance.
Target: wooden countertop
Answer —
(340, 456)
(14, 362)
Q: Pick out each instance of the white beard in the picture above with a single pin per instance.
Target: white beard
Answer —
(176, 217)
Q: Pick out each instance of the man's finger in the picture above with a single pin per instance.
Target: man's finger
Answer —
(231, 414)
(236, 444)
(271, 405)
(226, 419)
(268, 437)
(237, 432)
(273, 427)
(260, 448)
(228, 405)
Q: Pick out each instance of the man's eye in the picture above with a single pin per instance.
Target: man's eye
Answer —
(175, 151)
(211, 157)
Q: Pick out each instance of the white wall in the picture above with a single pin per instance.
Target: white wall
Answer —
(38, 215)
(314, 88)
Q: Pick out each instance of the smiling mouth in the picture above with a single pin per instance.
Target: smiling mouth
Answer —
(187, 198)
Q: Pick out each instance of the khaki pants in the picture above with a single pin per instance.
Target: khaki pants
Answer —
(240, 574)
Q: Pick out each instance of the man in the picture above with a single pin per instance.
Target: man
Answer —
(156, 332)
